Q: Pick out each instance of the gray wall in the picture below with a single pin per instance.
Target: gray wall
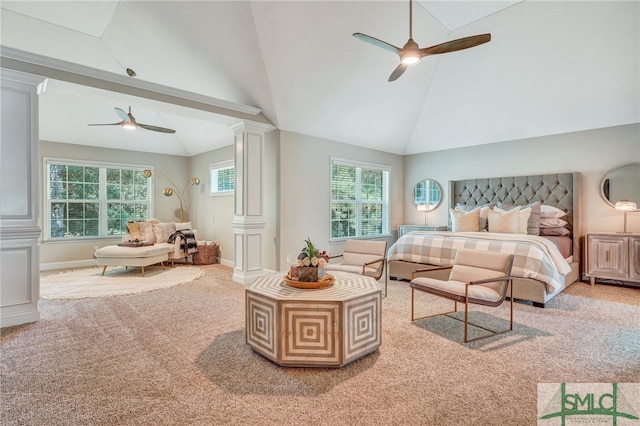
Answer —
(305, 184)
(296, 184)
(592, 153)
(62, 254)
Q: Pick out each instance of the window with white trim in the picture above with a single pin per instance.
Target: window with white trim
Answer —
(223, 178)
(93, 200)
(359, 199)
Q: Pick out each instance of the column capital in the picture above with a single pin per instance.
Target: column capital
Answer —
(251, 127)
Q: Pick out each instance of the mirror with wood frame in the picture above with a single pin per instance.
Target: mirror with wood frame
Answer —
(621, 183)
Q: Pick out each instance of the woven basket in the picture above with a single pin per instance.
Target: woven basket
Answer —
(207, 254)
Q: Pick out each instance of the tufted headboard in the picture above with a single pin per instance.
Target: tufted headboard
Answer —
(560, 190)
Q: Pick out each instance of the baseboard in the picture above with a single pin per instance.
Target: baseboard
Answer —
(18, 318)
(67, 265)
(92, 262)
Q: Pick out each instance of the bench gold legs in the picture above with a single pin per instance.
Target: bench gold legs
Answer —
(126, 267)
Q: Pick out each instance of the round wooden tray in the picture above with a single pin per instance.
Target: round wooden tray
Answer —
(326, 281)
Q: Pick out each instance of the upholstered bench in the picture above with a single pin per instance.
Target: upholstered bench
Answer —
(132, 256)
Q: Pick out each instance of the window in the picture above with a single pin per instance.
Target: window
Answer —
(93, 200)
(223, 178)
(359, 199)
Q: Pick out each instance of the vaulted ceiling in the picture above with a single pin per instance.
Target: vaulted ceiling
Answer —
(551, 67)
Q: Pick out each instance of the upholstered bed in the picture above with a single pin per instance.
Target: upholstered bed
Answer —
(547, 263)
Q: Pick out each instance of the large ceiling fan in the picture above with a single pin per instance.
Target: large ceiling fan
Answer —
(129, 122)
(412, 54)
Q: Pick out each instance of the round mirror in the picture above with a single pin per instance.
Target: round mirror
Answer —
(622, 183)
(427, 194)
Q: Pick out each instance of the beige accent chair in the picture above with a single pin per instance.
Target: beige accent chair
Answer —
(365, 257)
(476, 277)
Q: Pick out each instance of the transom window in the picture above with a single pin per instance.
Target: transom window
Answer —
(223, 178)
(359, 199)
(92, 200)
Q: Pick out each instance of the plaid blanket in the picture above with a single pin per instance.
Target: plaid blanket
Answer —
(534, 257)
(188, 242)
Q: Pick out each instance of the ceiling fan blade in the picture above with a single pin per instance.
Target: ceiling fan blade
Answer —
(376, 42)
(122, 114)
(155, 128)
(106, 124)
(454, 45)
(397, 72)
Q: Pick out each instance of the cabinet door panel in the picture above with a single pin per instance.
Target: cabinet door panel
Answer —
(608, 257)
(634, 261)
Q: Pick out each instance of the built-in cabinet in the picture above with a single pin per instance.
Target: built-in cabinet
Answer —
(19, 196)
(614, 256)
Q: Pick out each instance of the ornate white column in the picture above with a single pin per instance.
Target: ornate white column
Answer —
(19, 199)
(248, 220)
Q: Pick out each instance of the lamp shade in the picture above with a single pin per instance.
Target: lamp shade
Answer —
(625, 204)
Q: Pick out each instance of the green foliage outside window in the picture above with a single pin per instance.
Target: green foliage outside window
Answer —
(359, 201)
(94, 201)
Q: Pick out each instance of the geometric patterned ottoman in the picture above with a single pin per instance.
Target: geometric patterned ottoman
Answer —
(328, 327)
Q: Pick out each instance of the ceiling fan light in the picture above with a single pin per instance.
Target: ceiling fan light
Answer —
(410, 59)
(128, 125)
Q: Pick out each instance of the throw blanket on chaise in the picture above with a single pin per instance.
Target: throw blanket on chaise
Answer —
(188, 242)
(534, 257)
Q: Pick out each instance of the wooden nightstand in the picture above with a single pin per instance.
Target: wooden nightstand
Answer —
(403, 229)
(614, 256)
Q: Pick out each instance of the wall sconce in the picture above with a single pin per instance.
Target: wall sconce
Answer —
(626, 206)
(169, 191)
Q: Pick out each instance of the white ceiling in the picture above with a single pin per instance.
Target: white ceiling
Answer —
(551, 67)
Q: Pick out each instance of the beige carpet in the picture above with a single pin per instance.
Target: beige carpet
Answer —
(89, 282)
(179, 357)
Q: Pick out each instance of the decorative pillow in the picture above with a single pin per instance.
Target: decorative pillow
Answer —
(183, 225)
(146, 232)
(559, 230)
(550, 222)
(523, 217)
(465, 222)
(163, 231)
(533, 223)
(484, 209)
(506, 222)
(550, 211)
(133, 228)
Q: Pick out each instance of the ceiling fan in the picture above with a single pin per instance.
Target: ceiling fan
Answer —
(412, 54)
(129, 122)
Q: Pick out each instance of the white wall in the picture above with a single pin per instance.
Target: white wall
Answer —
(305, 184)
(592, 153)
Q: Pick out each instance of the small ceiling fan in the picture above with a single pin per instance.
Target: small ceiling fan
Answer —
(129, 122)
(412, 54)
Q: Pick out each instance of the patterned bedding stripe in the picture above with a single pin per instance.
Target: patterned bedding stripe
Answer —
(533, 257)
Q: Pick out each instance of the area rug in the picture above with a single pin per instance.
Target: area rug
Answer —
(89, 282)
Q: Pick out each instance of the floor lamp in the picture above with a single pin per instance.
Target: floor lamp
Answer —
(169, 191)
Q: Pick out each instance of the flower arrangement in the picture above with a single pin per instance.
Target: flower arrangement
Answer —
(311, 263)
(311, 256)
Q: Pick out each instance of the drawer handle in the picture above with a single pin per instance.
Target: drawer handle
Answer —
(606, 256)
